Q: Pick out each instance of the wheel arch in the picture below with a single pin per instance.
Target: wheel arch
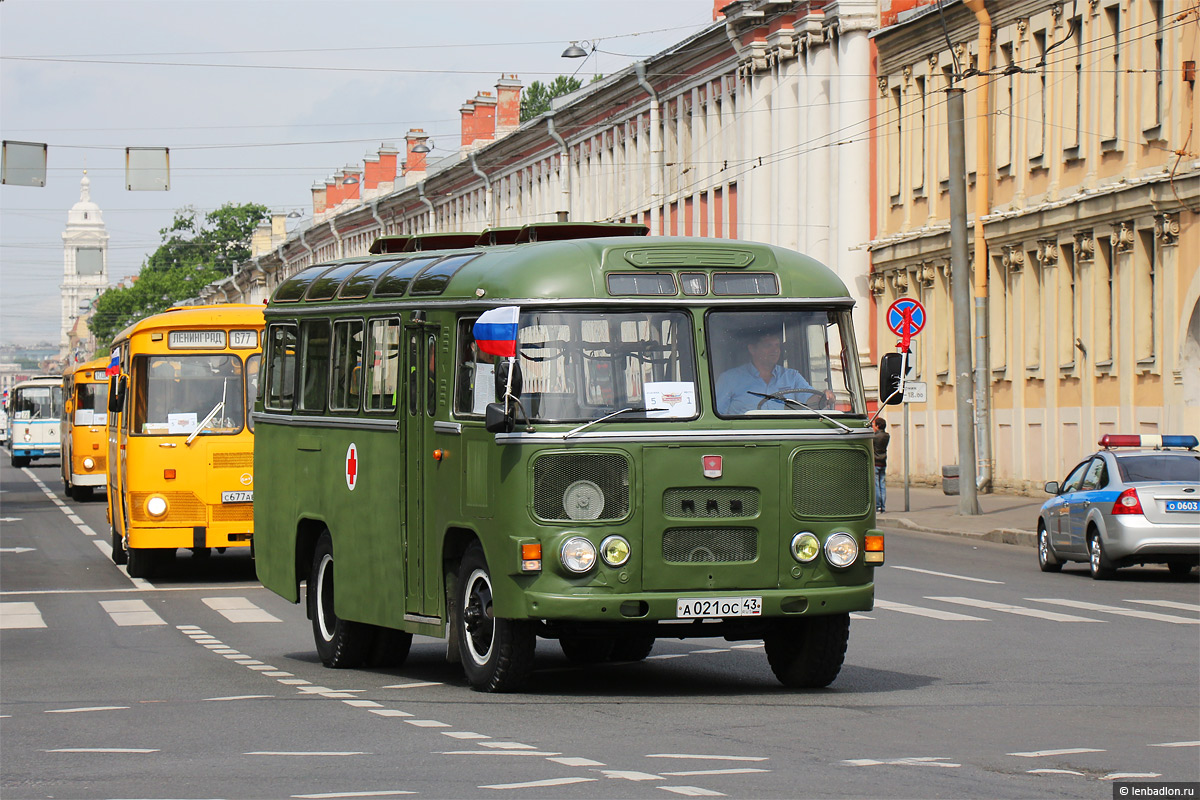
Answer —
(308, 531)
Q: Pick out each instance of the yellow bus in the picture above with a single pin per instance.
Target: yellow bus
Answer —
(180, 444)
(83, 430)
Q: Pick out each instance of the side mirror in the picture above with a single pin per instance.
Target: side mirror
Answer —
(889, 379)
(1052, 487)
(502, 370)
(497, 420)
(116, 393)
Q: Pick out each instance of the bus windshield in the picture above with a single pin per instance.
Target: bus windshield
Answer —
(583, 365)
(175, 394)
(38, 402)
(784, 363)
(91, 403)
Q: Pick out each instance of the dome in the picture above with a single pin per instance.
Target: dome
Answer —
(85, 213)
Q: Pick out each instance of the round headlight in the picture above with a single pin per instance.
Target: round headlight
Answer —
(28, 436)
(89, 462)
(614, 550)
(805, 547)
(583, 500)
(578, 554)
(841, 549)
(156, 506)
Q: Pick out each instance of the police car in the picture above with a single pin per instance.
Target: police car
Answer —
(1135, 501)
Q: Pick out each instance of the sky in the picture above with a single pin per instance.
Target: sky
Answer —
(256, 99)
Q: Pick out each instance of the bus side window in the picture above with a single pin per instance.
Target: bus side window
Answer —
(475, 384)
(347, 360)
(431, 375)
(383, 364)
(314, 364)
(281, 367)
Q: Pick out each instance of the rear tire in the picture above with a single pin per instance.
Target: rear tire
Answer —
(632, 648)
(1180, 569)
(496, 653)
(1047, 561)
(1102, 569)
(581, 650)
(21, 461)
(808, 654)
(119, 556)
(80, 494)
(341, 644)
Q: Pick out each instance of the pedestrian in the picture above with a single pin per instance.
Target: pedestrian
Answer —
(882, 437)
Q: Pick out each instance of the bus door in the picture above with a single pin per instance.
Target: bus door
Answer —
(418, 406)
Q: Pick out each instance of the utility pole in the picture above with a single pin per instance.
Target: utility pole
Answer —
(960, 290)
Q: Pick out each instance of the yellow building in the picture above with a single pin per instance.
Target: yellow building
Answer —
(1092, 173)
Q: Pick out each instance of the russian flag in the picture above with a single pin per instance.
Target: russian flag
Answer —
(114, 364)
(496, 331)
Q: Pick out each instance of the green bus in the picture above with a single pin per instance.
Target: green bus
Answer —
(569, 431)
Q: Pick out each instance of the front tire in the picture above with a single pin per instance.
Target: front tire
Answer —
(119, 556)
(581, 650)
(808, 654)
(341, 644)
(496, 654)
(633, 648)
(1102, 569)
(1047, 561)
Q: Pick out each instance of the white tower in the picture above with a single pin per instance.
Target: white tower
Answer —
(85, 262)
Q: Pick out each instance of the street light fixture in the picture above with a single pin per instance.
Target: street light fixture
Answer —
(575, 51)
(422, 147)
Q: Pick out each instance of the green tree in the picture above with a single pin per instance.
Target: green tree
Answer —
(536, 98)
(193, 254)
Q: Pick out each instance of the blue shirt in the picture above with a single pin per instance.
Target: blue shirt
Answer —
(734, 385)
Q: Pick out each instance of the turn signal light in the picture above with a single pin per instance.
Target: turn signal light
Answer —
(873, 549)
(531, 557)
(438, 455)
(169, 474)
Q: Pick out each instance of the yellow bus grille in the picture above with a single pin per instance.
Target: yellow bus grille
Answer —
(239, 512)
(233, 460)
(183, 508)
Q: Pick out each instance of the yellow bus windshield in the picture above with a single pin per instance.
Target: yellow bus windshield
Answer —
(179, 394)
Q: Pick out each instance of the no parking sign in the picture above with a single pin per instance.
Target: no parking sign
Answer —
(906, 318)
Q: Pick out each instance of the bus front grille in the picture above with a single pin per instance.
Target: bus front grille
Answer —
(580, 486)
(235, 512)
(710, 501)
(709, 545)
(831, 483)
(233, 460)
(183, 508)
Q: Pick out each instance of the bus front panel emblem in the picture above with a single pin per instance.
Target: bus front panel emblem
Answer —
(712, 466)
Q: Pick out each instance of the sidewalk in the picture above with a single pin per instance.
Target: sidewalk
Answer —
(1008, 518)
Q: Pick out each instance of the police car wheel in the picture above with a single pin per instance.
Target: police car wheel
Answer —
(1046, 558)
(341, 644)
(496, 653)
(1101, 568)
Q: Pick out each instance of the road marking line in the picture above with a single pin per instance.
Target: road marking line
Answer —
(918, 761)
(575, 761)
(390, 712)
(464, 735)
(746, 646)
(427, 723)
(293, 681)
(86, 529)
(949, 575)
(666, 656)
(248, 662)
(233, 655)
(1124, 776)
(691, 791)
(932, 613)
(75, 519)
(101, 750)
(508, 745)
(538, 784)
(491, 752)
(20, 615)
(261, 667)
(80, 710)
(215, 646)
(417, 685)
(1005, 608)
(363, 703)
(736, 771)
(333, 795)
(1176, 744)
(1053, 772)
(1069, 751)
(278, 674)
(857, 615)
(630, 775)
(713, 650)
(239, 609)
(1123, 612)
(306, 753)
(104, 546)
(707, 757)
(238, 697)
(221, 651)
(127, 613)
(1167, 604)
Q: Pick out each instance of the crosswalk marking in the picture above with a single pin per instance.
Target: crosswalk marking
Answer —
(1068, 751)
(20, 615)
(239, 609)
(932, 613)
(1011, 609)
(1124, 612)
(1167, 604)
(131, 612)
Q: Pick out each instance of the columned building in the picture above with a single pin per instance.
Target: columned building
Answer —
(85, 269)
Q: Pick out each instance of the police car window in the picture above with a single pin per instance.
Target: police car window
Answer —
(1096, 476)
(1182, 467)
(1073, 480)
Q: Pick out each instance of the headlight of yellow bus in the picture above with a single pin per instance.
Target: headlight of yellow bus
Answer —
(89, 463)
(156, 505)
(578, 555)
(841, 549)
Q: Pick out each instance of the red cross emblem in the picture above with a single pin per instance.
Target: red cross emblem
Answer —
(351, 466)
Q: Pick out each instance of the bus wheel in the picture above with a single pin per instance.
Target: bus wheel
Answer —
(118, 548)
(80, 494)
(341, 644)
(142, 562)
(391, 648)
(808, 654)
(21, 461)
(632, 648)
(581, 650)
(496, 654)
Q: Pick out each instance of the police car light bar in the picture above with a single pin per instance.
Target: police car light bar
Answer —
(1145, 440)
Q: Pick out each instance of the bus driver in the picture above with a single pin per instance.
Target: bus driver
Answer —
(740, 390)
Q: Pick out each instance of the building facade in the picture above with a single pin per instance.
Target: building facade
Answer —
(85, 272)
(1092, 185)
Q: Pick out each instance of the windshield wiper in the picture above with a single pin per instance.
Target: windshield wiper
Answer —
(218, 408)
(798, 404)
(630, 410)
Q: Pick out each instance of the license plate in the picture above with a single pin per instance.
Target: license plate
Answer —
(1183, 505)
(237, 497)
(697, 607)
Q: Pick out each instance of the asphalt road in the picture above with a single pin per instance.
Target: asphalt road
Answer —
(975, 676)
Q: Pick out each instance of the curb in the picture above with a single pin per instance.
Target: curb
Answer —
(1014, 536)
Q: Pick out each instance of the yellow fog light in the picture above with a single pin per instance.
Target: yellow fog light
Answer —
(615, 551)
(89, 463)
(578, 555)
(841, 550)
(805, 547)
(156, 505)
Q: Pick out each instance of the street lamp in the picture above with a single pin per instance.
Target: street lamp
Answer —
(575, 51)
